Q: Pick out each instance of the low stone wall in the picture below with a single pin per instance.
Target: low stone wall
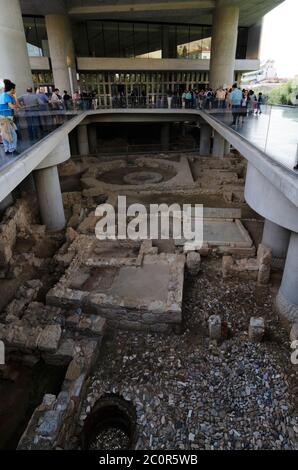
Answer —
(53, 422)
(255, 269)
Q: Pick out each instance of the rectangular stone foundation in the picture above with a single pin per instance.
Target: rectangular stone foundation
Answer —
(139, 292)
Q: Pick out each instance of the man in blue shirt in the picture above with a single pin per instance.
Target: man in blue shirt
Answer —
(236, 99)
(8, 128)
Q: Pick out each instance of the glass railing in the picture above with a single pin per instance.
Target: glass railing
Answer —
(33, 125)
(272, 129)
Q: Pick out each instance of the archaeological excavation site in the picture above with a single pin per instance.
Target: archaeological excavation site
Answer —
(145, 344)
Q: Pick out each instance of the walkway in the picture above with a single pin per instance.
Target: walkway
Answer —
(275, 132)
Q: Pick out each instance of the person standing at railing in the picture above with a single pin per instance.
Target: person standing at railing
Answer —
(8, 106)
(45, 118)
(56, 100)
(57, 105)
(67, 100)
(235, 99)
(243, 106)
(169, 98)
(259, 105)
(76, 100)
(30, 102)
(208, 99)
(220, 98)
(250, 103)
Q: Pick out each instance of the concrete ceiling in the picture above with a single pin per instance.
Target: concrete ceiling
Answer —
(177, 11)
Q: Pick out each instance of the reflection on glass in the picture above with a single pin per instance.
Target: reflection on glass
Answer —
(36, 36)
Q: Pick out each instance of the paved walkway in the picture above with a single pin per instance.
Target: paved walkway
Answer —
(275, 132)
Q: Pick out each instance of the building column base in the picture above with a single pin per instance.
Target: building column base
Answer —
(165, 137)
(205, 139)
(287, 298)
(286, 309)
(277, 238)
(50, 198)
(219, 144)
(92, 138)
(83, 142)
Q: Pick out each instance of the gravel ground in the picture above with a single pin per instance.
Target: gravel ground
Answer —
(192, 394)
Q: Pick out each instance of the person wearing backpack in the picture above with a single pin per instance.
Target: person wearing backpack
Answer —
(208, 99)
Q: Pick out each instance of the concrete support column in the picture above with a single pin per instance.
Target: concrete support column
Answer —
(287, 298)
(50, 198)
(218, 149)
(227, 150)
(13, 48)
(224, 43)
(92, 138)
(6, 202)
(254, 41)
(62, 52)
(165, 137)
(205, 139)
(277, 238)
(73, 142)
(83, 141)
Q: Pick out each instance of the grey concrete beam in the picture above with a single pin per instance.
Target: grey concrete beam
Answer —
(132, 7)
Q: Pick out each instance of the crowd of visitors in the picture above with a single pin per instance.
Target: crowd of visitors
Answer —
(44, 111)
(41, 111)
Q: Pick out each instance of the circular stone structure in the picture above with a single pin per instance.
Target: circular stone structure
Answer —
(143, 177)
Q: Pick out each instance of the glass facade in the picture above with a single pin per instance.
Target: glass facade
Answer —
(152, 86)
(36, 36)
(95, 38)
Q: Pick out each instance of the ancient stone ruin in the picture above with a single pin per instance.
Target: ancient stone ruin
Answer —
(149, 344)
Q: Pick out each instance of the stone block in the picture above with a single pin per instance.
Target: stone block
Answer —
(49, 338)
(49, 423)
(63, 355)
(47, 402)
(214, 324)
(74, 369)
(264, 255)
(264, 274)
(256, 329)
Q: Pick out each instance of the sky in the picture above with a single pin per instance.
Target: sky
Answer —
(280, 38)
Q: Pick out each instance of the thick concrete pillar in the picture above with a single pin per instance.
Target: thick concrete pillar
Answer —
(224, 43)
(165, 137)
(50, 198)
(227, 148)
(14, 60)
(92, 138)
(62, 52)
(83, 141)
(205, 139)
(254, 41)
(218, 149)
(6, 202)
(73, 142)
(277, 238)
(287, 298)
